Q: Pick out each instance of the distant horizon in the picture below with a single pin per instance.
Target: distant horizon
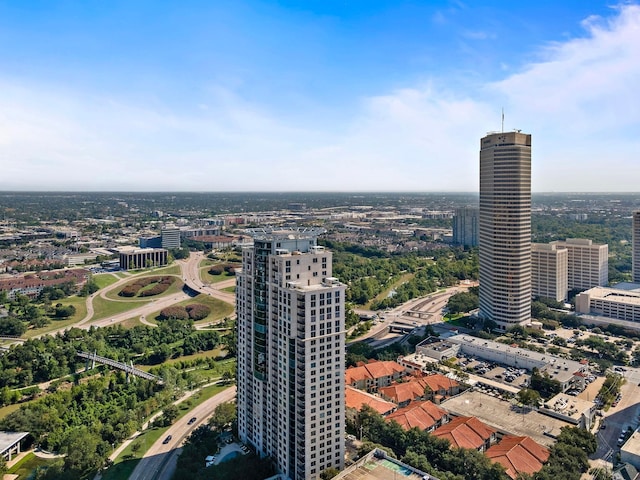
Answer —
(302, 192)
(315, 95)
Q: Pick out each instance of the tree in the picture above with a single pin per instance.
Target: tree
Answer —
(169, 414)
(223, 416)
(329, 473)
(528, 397)
(3, 466)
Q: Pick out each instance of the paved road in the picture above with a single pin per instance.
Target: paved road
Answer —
(619, 418)
(158, 462)
(431, 304)
(191, 276)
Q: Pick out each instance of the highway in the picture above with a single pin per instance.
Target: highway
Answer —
(159, 462)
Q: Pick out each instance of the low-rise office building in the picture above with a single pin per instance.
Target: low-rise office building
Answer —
(567, 372)
(581, 413)
(610, 302)
(143, 258)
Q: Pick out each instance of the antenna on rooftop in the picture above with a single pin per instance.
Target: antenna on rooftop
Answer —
(502, 119)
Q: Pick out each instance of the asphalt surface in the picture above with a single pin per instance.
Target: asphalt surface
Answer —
(159, 462)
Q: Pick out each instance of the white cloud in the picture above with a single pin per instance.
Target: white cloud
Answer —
(580, 102)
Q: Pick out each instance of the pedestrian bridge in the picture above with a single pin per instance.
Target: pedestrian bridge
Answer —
(128, 369)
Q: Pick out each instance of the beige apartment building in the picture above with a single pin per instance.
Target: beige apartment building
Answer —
(636, 246)
(291, 353)
(587, 263)
(549, 271)
(505, 228)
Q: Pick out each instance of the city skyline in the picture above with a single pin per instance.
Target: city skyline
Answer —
(389, 96)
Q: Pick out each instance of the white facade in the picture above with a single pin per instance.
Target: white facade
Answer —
(291, 353)
(636, 246)
(549, 277)
(505, 228)
(587, 263)
(610, 302)
(170, 237)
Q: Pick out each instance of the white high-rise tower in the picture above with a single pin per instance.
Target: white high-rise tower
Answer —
(505, 228)
(635, 248)
(291, 353)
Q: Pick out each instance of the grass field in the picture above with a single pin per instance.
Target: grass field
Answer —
(25, 467)
(4, 411)
(131, 322)
(219, 309)
(230, 289)
(382, 295)
(105, 279)
(208, 278)
(106, 308)
(81, 310)
(174, 288)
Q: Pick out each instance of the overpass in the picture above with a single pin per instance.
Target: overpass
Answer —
(401, 327)
(128, 369)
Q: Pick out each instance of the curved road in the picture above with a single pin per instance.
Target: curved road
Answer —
(158, 463)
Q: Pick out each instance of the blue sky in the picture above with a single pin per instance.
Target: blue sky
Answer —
(351, 95)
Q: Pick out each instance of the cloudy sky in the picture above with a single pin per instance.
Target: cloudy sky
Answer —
(322, 95)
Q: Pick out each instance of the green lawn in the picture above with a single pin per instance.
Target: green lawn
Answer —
(25, 467)
(4, 411)
(219, 309)
(173, 288)
(384, 294)
(104, 279)
(81, 310)
(106, 308)
(208, 278)
(230, 289)
(126, 462)
(131, 322)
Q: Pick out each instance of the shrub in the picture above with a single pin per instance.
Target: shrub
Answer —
(198, 311)
(161, 284)
(176, 312)
(216, 270)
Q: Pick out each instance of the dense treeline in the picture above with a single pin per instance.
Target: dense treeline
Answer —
(50, 357)
(370, 271)
(84, 421)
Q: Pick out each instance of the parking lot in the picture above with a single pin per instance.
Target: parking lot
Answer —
(498, 373)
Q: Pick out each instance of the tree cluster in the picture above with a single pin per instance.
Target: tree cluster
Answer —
(228, 268)
(42, 359)
(85, 420)
(544, 384)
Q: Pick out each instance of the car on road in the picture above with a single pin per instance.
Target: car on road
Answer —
(191, 421)
(167, 440)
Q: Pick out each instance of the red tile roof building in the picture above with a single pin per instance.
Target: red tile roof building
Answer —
(423, 415)
(373, 375)
(31, 284)
(355, 399)
(430, 387)
(518, 455)
(467, 432)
